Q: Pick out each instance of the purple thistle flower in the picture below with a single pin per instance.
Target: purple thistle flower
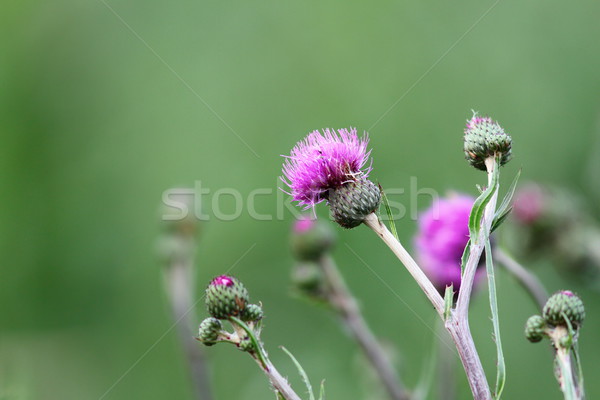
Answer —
(441, 239)
(325, 161)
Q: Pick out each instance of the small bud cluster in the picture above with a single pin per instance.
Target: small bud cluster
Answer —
(562, 315)
(228, 299)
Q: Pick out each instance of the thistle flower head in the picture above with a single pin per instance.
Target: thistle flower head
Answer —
(441, 239)
(226, 297)
(564, 304)
(324, 161)
(485, 138)
(535, 328)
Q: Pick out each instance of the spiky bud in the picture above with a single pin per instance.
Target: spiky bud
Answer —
(567, 303)
(311, 238)
(485, 138)
(535, 328)
(353, 201)
(209, 329)
(226, 297)
(252, 312)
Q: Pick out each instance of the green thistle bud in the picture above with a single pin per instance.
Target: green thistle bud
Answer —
(209, 331)
(485, 138)
(226, 297)
(252, 312)
(535, 328)
(311, 239)
(353, 201)
(567, 303)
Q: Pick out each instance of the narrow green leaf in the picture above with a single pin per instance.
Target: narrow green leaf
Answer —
(499, 219)
(322, 391)
(506, 203)
(501, 374)
(448, 300)
(575, 351)
(388, 210)
(311, 395)
(465, 257)
(479, 205)
(255, 343)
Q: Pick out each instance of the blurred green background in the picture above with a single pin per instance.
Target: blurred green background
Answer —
(104, 105)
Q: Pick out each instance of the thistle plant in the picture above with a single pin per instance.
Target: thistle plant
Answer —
(560, 322)
(454, 249)
(228, 300)
(328, 166)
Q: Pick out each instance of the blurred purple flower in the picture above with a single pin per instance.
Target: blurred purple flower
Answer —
(324, 161)
(441, 239)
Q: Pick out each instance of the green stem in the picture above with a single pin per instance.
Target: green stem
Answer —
(567, 384)
(280, 384)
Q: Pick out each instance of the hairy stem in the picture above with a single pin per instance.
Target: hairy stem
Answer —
(457, 325)
(280, 384)
(373, 222)
(342, 300)
(458, 322)
(528, 280)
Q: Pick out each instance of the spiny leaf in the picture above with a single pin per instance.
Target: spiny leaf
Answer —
(311, 395)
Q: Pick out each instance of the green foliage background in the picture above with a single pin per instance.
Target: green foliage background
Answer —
(105, 104)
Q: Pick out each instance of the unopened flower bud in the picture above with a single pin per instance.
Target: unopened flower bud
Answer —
(209, 331)
(311, 239)
(226, 297)
(352, 202)
(535, 328)
(252, 312)
(567, 303)
(485, 138)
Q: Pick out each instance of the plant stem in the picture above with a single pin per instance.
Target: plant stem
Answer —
(458, 322)
(280, 384)
(528, 280)
(373, 222)
(457, 325)
(567, 383)
(565, 373)
(341, 299)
